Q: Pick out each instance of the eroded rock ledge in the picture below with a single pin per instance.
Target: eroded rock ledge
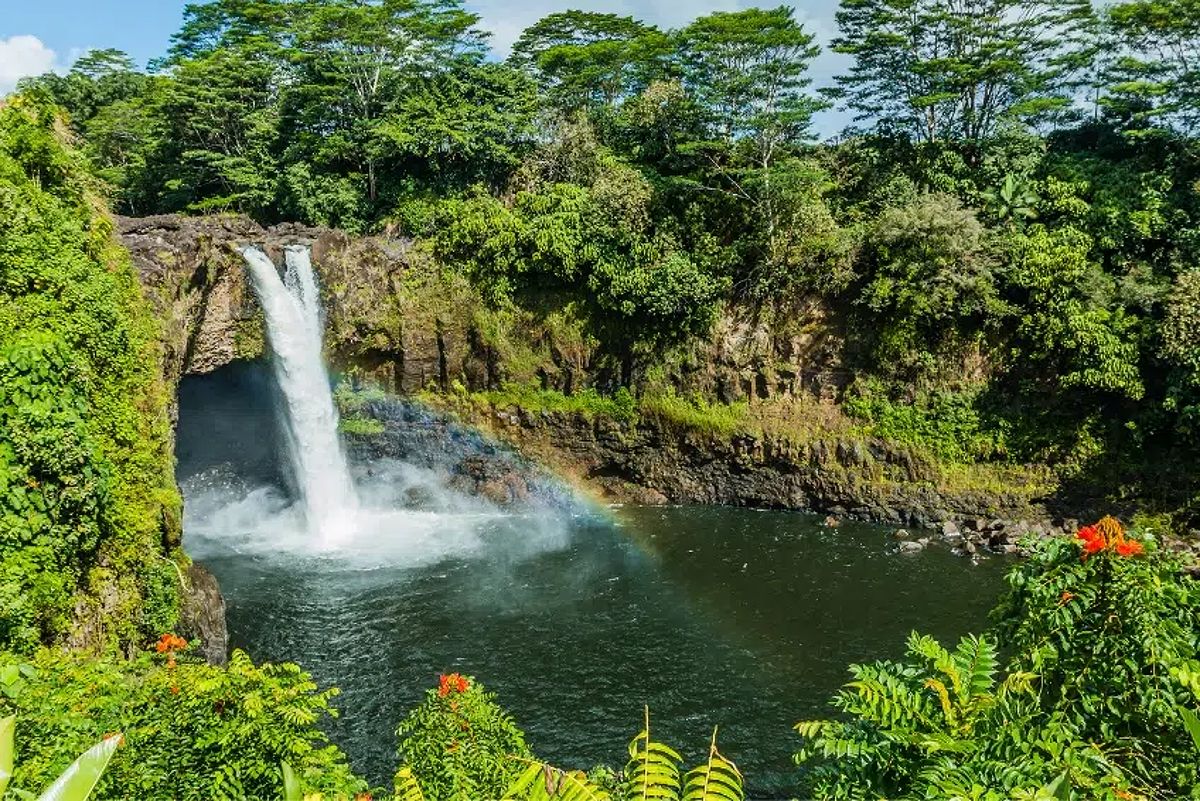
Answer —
(394, 315)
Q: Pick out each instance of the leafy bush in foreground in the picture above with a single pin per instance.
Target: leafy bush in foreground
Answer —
(191, 731)
(460, 744)
(1104, 634)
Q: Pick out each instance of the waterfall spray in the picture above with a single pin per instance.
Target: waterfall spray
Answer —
(292, 309)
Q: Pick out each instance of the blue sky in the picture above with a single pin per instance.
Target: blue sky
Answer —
(40, 35)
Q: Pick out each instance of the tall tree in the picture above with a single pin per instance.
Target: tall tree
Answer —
(953, 69)
(357, 58)
(1156, 72)
(584, 59)
(217, 121)
(748, 73)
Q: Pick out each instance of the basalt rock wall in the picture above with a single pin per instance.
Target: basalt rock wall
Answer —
(394, 313)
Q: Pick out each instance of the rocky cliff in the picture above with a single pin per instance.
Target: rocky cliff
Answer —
(395, 316)
(393, 313)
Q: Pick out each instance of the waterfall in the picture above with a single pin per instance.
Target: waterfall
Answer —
(292, 308)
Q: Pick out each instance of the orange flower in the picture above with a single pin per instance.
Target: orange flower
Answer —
(451, 682)
(1088, 533)
(1094, 545)
(1065, 598)
(1129, 548)
(169, 642)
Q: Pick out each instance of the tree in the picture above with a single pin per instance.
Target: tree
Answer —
(747, 72)
(1155, 74)
(463, 126)
(216, 125)
(355, 59)
(588, 60)
(930, 271)
(954, 69)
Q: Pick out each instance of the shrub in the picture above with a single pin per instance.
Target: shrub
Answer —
(1103, 634)
(1108, 624)
(191, 731)
(459, 744)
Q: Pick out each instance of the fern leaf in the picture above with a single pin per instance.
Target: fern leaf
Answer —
(653, 769)
(977, 660)
(718, 779)
(407, 786)
(542, 782)
(944, 697)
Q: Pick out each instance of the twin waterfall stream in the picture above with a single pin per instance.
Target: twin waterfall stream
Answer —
(292, 309)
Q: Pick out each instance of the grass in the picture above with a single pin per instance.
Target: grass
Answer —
(361, 426)
(589, 403)
(696, 413)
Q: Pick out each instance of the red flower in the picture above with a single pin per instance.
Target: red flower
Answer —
(1129, 548)
(1094, 545)
(1089, 534)
(1065, 598)
(452, 682)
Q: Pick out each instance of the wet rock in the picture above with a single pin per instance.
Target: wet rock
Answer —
(911, 546)
(202, 615)
(832, 522)
(901, 534)
(950, 529)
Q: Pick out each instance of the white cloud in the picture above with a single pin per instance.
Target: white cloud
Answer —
(21, 56)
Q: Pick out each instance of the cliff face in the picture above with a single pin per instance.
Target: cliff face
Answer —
(393, 313)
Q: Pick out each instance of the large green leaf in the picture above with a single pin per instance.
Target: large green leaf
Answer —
(653, 769)
(291, 785)
(717, 779)
(7, 727)
(77, 782)
(1192, 721)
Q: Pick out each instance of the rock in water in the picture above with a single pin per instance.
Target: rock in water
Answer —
(202, 615)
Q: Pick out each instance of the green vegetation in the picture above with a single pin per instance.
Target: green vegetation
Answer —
(1102, 637)
(77, 782)
(89, 515)
(1005, 244)
(1004, 239)
(190, 731)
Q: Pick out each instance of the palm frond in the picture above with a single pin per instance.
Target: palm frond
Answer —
(542, 782)
(407, 788)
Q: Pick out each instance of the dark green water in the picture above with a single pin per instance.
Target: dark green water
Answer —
(739, 618)
(733, 617)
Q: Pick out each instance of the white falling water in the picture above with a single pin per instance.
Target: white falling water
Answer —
(292, 309)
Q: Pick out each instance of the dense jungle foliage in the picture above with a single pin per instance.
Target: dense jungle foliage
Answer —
(89, 513)
(1009, 228)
